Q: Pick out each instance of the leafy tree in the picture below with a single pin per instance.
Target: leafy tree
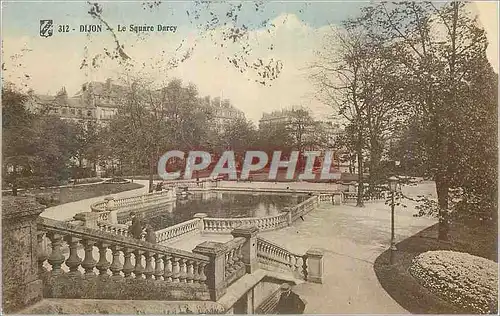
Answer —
(440, 47)
(37, 149)
(17, 134)
(342, 74)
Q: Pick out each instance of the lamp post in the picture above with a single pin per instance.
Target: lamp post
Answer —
(393, 187)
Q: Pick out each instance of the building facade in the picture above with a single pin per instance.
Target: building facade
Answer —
(95, 101)
(224, 114)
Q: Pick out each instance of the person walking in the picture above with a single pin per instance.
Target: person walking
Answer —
(136, 228)
(289, 302)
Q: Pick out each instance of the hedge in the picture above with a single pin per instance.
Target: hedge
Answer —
(469, 282)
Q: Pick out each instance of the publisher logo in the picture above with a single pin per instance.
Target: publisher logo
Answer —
(46, 28)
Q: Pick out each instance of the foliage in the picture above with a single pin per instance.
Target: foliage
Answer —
(414, 84)
(467, 281)
(36, 149)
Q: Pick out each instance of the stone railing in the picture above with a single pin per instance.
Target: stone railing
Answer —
(183, 229)
(353, 196)
(308, 266)
(192, 184)
(68, 260)
(104, 216)
(226, 225)
(229, 261)
(178, 274)
(303, 208)
(125, 203)
(203, 224)
(336, 198)
(117, 229)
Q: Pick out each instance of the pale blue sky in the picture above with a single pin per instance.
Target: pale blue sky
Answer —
(22, 18)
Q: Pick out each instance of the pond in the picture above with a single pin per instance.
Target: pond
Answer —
(224, 205)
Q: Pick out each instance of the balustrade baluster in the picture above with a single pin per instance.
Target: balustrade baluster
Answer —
(103, 263)
(167, 264)
(175, 270)
(41, 252)
(149, 271)
(196, 273)
(139, 268)
(158, 267)
(201, 272)
(56, 258)
(73, 261)
(116, 266)
(297, 265)
(88, 262)
(304, 266)
(128, 267)
(183, 271)
(190, 272)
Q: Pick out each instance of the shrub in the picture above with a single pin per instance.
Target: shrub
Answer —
(467, 281)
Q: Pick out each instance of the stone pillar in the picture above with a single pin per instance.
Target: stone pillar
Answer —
(337, 199)
(249, 249)
(200, 217)
(315, 265)
(21, 285)
(215, 269)
(89, 219)
(289, 217)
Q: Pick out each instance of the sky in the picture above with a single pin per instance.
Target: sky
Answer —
(294, 30)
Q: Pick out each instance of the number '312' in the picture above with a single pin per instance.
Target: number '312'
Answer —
(63, 28)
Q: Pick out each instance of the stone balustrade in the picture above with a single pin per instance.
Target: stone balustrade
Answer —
(183, 229)
(126, 203)
(308, 266)
(104, 216)
(227, 263)
(192, 184)
(353, 196)
(132, 263)
(303, 208)
(226, 225)
(117, 229)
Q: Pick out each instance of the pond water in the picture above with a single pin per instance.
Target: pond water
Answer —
(224, 204)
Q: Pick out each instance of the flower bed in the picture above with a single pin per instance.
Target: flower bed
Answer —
(467, 281)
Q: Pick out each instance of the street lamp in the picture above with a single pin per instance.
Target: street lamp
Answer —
(393, 187)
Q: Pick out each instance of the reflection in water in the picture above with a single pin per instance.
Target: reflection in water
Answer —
(229, 205)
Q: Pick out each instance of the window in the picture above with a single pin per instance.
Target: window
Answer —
(79, 112)
(72, 111)
(89, 113)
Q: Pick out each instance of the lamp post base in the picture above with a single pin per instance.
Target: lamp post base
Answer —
(392, 251)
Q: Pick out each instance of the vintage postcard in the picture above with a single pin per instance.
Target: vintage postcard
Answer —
(249, 157)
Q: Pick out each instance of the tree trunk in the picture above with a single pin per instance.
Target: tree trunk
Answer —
(375, 158)
(360, 200)
(442, 193)
(14, 180)
(133, 171)
(151, 173)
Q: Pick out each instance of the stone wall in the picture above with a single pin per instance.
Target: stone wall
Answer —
(21, 286)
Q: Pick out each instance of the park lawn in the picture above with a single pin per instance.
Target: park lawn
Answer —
(479, 239)
(56, 196)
